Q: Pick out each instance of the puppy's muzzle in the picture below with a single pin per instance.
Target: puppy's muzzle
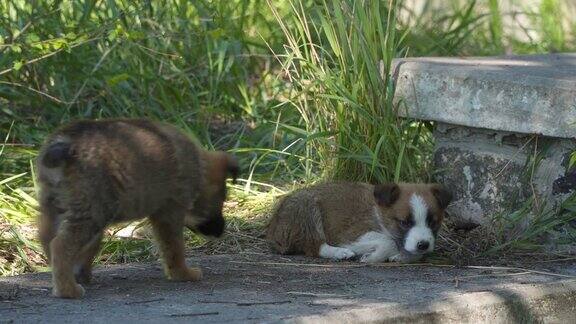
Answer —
(213, 227)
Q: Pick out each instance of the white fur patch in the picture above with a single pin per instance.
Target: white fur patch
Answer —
(419, 209)
(334, 252)
(374, 247)
(420, 232)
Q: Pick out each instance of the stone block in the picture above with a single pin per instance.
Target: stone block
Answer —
(532, 94)
(495, 116)
(492, 172)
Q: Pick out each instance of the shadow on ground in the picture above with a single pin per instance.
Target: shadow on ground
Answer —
(270, 288)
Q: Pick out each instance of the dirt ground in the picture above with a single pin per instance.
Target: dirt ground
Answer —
(260, 288)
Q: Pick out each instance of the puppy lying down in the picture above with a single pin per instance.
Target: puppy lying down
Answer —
(375, 223)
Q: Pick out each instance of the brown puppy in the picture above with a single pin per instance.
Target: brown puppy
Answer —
(96, 173)
(387, 222)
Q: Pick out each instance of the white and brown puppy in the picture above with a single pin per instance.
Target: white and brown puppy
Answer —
(96, 173)
(376, 223)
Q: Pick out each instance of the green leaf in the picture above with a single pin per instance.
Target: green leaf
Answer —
(136, 35)
(32, 38)
(216, 33)
(7, 111)
(18, 65)
(113, 81)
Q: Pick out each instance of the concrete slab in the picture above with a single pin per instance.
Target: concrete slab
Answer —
(532, 94)
(270, 288)
(490, 172)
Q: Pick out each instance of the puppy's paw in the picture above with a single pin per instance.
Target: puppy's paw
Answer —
(373, 257)
(365, 258)
(71, 291)
(186, 274)
(404, 258)
(335, 253)
(343, 254)
(396, 258)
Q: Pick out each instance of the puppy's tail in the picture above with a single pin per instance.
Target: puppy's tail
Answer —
(57, 154)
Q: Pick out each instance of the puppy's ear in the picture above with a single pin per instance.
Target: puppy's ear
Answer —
(386, 194)
(232, 167)
(442, 195)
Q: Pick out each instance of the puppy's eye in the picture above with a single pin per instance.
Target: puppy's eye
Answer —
(405, 223)
(433, 223)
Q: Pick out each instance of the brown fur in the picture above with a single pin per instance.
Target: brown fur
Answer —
(339, 213)
(96, 173)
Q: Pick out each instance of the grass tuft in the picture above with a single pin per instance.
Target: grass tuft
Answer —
(338, 58)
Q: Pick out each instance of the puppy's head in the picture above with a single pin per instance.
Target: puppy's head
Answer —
(206, 216)
(413, 214)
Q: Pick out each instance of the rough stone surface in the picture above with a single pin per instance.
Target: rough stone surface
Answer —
(495, 116)
(270, 288)
(531, 94)
(492, 172)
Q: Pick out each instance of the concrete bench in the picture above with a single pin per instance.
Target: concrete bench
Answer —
(494, 117)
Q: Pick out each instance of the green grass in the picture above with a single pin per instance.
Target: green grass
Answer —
(525, 226)
(520, 231)
(338, 57)
(534, 225)
(300, 90)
